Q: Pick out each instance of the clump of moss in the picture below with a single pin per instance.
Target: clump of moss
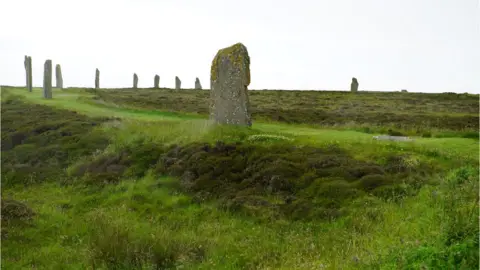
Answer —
(15, 210)
(373, 181)
(238, 56)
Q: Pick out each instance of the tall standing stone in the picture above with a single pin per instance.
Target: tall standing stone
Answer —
(156, 82)
(135, 81)
(97, 78)
(178, 83)
(354, 85)
(25, 63)
(28, 72)
(198, 85)
(229, 80)
(58, 76)
(47, 79)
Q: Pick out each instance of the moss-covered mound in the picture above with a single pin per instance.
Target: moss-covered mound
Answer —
(280, 179)
(297, 182)
(39, 142)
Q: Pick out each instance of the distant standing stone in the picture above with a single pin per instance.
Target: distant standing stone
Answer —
(404, 91)
(25, 61)
(58, 76)
(28, 72)
(47, 80)
(354, 85)
(178, 83)
(156, 82)
(198, 85)
(229, 80)
(97, 78)
(135, 81)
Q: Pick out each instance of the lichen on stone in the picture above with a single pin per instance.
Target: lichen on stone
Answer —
(236, 54)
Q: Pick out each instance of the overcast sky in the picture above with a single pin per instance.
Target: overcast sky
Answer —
(418, 45)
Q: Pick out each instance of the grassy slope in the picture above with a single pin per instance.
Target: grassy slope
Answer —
(158, 223)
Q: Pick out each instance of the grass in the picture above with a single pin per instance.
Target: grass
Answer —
(143, 188)
(414, 113)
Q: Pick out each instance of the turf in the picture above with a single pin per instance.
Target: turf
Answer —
(106, 179)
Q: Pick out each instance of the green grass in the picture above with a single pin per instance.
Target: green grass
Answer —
(116, 195)
(413, 113)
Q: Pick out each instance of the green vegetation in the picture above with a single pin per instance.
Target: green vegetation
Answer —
(415, 114)
(106, 179)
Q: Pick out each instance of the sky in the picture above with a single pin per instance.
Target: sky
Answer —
(418, 45)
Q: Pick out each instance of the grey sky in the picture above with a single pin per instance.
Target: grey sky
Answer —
(419, 45)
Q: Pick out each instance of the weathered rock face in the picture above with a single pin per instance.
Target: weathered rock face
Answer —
(354, 85)
(198, 85)
(97, 78)
(178, 83)
(135, 80)
(58, 76)
(47, 79)
(229, 79)
(156, 82)
(28, 72)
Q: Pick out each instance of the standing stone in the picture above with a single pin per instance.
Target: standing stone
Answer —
(47, 79)
(178, 83)
(97, 79)
(58, 76)
(229, 80)
(25, 61)
(28, 72)
(354, 85)
(135, 81)
(30, 75)
(156, 82)
(198, 85)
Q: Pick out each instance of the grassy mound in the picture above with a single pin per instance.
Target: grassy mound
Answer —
(38, 142)
(282, 179)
